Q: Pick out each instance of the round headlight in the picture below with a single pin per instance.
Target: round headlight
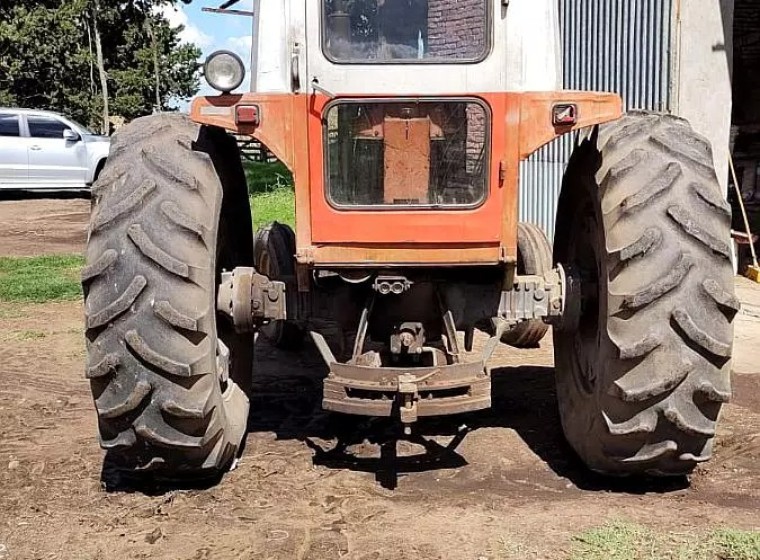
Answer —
(224, 71)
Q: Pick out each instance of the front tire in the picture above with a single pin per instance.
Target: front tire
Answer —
(274, 252)
(642, 221)
(170, 211)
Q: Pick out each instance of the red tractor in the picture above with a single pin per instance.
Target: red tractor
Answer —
(404, 122)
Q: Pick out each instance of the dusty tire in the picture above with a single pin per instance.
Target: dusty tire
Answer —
(642, 380)
(274, 254)
(169, 212)
(534, 256)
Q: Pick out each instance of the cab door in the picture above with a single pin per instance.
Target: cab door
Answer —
(54, 159)
(14, 158)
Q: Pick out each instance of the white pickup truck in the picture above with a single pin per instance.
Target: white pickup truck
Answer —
(42, 150)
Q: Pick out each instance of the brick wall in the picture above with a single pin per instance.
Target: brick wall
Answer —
(456, 28)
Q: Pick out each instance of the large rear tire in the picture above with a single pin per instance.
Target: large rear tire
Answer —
(170, 212)
(643, 222)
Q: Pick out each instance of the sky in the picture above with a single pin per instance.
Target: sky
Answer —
(212, 32)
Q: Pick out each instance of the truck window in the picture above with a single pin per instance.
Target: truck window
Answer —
(45, 127)
(396, 31)
(9, 125)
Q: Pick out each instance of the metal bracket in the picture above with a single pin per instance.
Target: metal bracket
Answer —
(534, 297)
(250, 299)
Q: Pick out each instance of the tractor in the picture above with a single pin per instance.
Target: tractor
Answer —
(404, 123)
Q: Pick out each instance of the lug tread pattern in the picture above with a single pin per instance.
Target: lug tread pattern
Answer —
(725, 300)
(173, 212)
(640, 348)
(100, 266)
(700, 336)
(643, 423)
(148, 248)
(712, 199)
(114, 405)
(649, 241)
(119, 306)
(124, 206)
(166, 311)
(669, 281)
(639, 386)
(153, 371)
(670, 324)
(104, 367)
(690, 226)
(171, 172)
(166, 363)
(663, 182)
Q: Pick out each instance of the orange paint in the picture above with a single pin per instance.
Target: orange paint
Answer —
(291, 127)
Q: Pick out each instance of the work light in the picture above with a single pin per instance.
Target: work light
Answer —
(224, 71)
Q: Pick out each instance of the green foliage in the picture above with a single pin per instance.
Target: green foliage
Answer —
(40, 279)
(48, 60)
(732, 544)
(264, 177)
(271, 188)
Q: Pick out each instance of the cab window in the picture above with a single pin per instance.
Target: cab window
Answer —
(397, 31)
(396, 154)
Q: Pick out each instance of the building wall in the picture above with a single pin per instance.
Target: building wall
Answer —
(456, 28)
(702, 73)
(659, 55)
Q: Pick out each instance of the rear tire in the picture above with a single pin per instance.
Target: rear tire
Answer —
(642, 220)
(534, 257)
(170, 211)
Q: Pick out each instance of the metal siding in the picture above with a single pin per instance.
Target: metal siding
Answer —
(621, 46)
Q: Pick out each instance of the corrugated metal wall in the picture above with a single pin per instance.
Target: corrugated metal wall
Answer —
(621, 46)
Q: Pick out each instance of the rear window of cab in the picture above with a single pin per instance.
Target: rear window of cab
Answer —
(405, 31)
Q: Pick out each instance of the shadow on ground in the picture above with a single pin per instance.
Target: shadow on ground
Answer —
(287, 402)
(16, 195)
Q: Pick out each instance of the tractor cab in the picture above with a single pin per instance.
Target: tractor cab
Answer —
(409, 122)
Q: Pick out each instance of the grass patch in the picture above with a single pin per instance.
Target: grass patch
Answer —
(278, 205)
(40, 279)
(31, 335)
(272, 197)
(265, 177)
(737, 545)
(628, 541)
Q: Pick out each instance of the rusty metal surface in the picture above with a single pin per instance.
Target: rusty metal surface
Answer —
(373, 391)
(250, 299)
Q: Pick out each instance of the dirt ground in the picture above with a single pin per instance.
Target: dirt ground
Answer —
(495, 485)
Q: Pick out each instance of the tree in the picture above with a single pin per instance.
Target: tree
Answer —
(50, 50)
(95, 7)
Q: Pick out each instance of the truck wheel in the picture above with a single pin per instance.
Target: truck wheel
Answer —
(643, 223)
(274, 253)
(170, 212)
(534, 256)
